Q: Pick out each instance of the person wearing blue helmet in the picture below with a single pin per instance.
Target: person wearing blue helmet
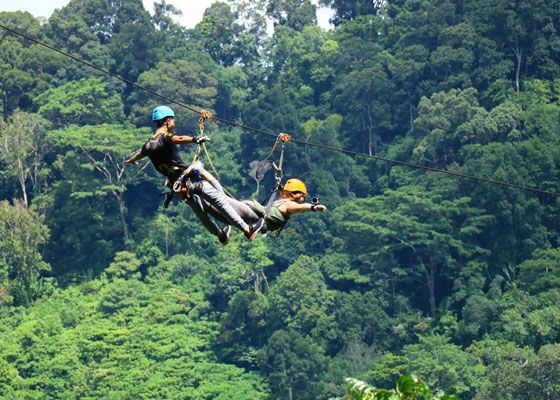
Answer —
(161, 148)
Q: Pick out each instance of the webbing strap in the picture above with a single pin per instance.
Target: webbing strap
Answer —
(273, 197)
(204, 115)
(282, 138)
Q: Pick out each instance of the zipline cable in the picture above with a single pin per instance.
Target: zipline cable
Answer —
(321, 146)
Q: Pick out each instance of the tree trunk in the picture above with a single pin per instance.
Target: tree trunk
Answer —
(166, 240)
(370, 132)
(410, 113)
(256, 282)
(430, 272)
(265, 280)
(122, 212)
(21, 178)
(24, 191)
(519, 55)
(4, 104)
(290, 392)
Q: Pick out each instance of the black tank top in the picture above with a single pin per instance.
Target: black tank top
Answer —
(164, 154)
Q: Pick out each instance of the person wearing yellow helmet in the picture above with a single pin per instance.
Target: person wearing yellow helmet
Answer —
(291, 201)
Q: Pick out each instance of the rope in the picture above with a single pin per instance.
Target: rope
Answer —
(248, 128)
(204, 115)
(442, 171)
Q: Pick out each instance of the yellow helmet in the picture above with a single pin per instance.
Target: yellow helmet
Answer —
(295, 185)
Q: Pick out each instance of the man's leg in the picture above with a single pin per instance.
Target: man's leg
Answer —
(195, 202)
(240, 207)
(243, 208)
(219, 201)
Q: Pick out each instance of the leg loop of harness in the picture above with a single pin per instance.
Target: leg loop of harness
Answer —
(182, 187)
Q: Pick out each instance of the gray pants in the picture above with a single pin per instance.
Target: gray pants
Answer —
(216, 200)
(242, 208)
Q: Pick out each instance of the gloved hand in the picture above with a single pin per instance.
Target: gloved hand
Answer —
(318, 207)
(200, 139)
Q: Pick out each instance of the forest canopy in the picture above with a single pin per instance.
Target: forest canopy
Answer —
(409, 273)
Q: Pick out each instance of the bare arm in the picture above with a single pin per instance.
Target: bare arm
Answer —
(189, 139)
(291, 207)
(135, 158)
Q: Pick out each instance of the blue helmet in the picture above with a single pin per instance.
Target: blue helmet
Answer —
(160, 112)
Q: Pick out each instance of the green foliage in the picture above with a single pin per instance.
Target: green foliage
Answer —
(22, 233)
(23, 147)
(293, 363)
(217, 33)
(408, 272)
(105, 148)
(187, 80)
(27, 69)
(291, 13)
(299, 296)
(83, 102)
(444, 365)
(408, 387)
(515, 372)
(541, 271)
(147, 346)
(386, 235)
(125, 265)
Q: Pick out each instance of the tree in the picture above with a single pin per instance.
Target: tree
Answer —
(408, 67)
(27, 70)
(246, 262)
(519, 28)
(299, 297)
(218, 32)
(105, 148)
(292, 13)
(22, 233)
(363, 318)
(412, 234)
(541, 271)
(85, 102)
(293, 363)
(163, 15)
(23, 145)
(346, 10)
(448, 121)
(444, 365)
(519, 373)
(125, 265)
(123, 28)
(186, 81)
(408, 387)
(68, 31)
(362, 73)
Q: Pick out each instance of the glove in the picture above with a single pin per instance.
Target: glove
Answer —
(200, 139)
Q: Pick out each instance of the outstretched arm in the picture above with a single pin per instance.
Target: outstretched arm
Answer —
(135, 158)
(291, 207)
(189, 139)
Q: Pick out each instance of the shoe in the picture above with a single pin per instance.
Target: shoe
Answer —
(168, 197)
(254, 229)
(224, 234)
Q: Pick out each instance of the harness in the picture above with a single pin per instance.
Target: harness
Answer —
(275, 220)
(181, 188)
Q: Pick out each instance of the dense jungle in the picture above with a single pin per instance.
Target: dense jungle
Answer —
(104, 294)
